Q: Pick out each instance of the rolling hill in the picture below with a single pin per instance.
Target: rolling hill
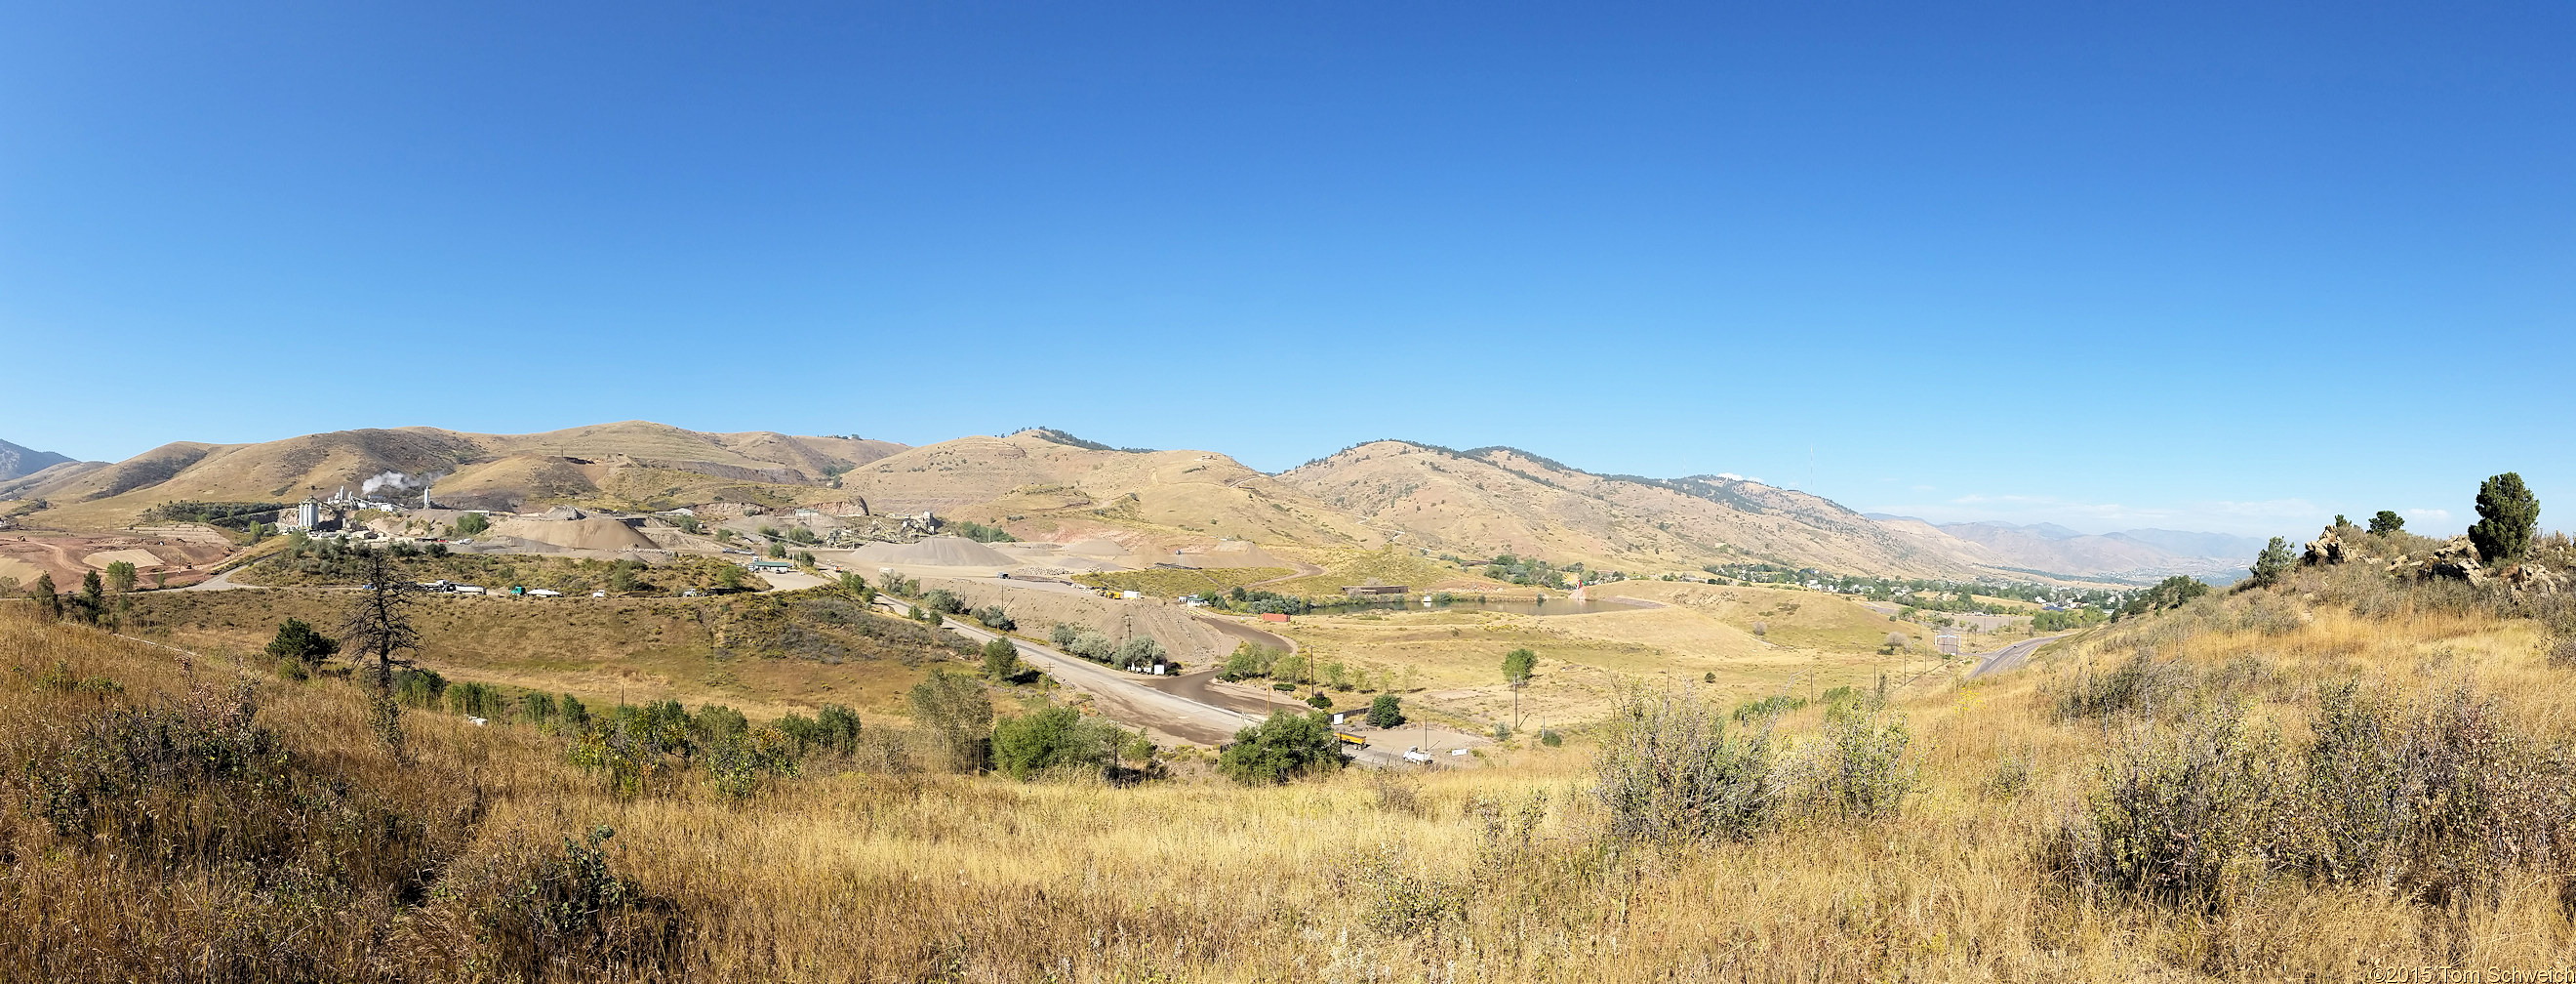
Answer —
(18, 462)
(1504, 500)
(1045, 484)
(634, 463)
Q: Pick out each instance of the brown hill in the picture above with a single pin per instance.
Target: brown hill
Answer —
(1064, 489)
(1502, 500)
(633, 463)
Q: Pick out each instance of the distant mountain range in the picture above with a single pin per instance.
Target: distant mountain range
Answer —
(1043, 484)
(18, 462)
(2127, 554)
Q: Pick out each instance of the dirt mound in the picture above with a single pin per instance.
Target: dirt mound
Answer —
(576, 534)
(937, 551)
(137, 556)
(1096, 547)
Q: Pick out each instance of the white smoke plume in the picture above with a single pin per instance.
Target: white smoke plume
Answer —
(388, 480)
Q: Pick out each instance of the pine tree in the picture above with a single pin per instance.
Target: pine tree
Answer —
(379, 626)
(2274, 562)
(2387, 522)
(2507, 516)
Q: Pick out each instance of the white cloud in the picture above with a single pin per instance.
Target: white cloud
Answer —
(2435, 515)
(1730, 476)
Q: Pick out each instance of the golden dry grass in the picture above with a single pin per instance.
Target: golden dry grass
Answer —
(879, 876)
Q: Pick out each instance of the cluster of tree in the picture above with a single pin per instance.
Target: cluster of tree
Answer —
(2171, 592)
(230, 515)
(2072, 618)
(1529, 570)
(979, 532)
(471, 524)
(1288, 746)
(93, 604)
(1254, 602)
(1096, 646)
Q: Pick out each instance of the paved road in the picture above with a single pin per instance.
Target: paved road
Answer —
(2011, 657)
(1126, 697)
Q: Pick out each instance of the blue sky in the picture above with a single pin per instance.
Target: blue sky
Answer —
(2229, 267)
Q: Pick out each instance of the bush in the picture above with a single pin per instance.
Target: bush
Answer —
(1319, 701)
(1668, 773)
(1288, 746)
(1856, 770)
(570, 909)
(944, 602)
(1001, 659)
(1387, 711)
(995, 618)
(955, 709)
(1549, 737)
(298, 641)
(1055, 738)
(2137, 683)
(2173, 810)
(1139, 651)
(1093, 646)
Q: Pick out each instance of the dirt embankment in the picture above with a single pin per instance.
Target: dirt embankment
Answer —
(1193, 642)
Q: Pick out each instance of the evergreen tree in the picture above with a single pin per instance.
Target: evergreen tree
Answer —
(2387, 522)
(378, 625)
(2273, 562)
(2507, 516)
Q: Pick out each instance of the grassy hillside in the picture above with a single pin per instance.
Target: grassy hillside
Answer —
(765, 654)
(1387, 565)
(2196, 792)
(308, 567)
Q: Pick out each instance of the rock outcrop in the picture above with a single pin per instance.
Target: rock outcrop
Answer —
(2327, 548)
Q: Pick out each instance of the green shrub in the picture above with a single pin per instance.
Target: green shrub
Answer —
(1857, 769)
(2174, 808)
(1287, 746)
(2137, 683)
(1668, 773)
(1386, 711)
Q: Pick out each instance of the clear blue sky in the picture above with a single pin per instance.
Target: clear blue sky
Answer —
(2231, 267)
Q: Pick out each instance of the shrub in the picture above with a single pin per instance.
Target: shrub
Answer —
(1001, 659)
(995, 618)
(1093, 646)
(554, 913)
(740, 764)
(1287, 746)
(1139, 651)
(1668, 773)
(955, 709)
(2173, 810)
(1766, 708)
(1549, 737)
(2137, 683)
(944, 602)
(1387, 711)
(1055, 738)
(1856, 770)
(1403, 902)
(1319, 701)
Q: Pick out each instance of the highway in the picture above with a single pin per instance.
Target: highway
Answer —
(2011, 657)
(1126, 697)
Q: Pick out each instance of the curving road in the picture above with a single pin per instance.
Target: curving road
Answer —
(1127, 697)
(2011, 657)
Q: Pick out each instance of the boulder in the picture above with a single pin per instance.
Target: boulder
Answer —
(2533, 579)
(2455, 558)
(2327, 548)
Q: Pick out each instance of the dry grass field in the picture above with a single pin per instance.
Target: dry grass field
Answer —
(2170, 799)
